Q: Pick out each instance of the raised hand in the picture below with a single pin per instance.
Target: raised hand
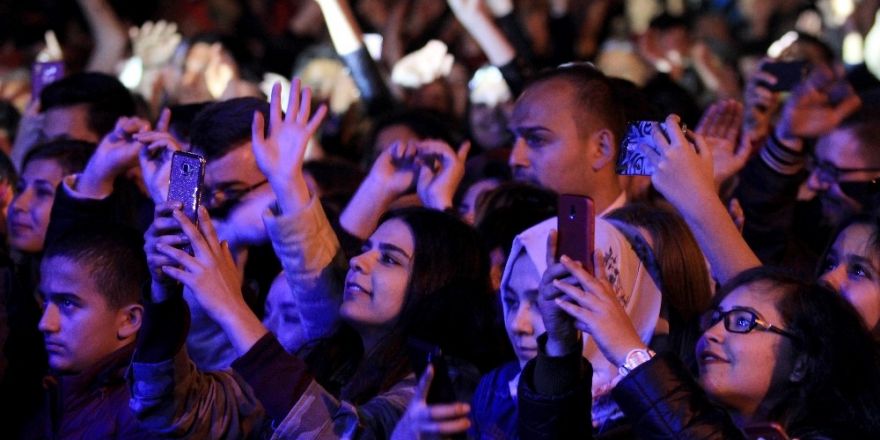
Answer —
(116, 153)
(720, 127)
(154, 43)
(810, 111)
(562, 335)
(210, 273)
(440, 172)
(280, 152)
(761, 104)
(220, 71)
(422, 421)
(684, 168)
(155, 157)
(164, 230)
(594, 306)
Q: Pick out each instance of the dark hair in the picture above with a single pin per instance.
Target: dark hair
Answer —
(71, 155)
(838, 395)
(114, 257)
(686, 284)
(182, 117)
(222, 126)
(424, 123)
(510, 209)
(7, 170)
(107, 99)
(9, 117)
(594, 97)
(448, 302)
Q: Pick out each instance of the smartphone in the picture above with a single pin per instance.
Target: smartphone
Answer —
(788, 74)
(186, 181)
(632, 159)
(576, 224)
(43, 74)
(421, 354)
(766, 431)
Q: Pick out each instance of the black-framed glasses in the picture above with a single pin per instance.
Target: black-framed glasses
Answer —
(740, 320)
(829, 173)
(222, 199)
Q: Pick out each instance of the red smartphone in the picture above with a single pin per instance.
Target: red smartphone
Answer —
(576, 229)
(766, 431)
(43, 74)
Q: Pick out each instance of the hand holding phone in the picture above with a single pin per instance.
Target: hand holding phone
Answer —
(788, 74)
(422, 354)
(637, 148)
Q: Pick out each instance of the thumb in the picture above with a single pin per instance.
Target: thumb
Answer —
(463, 151)
(424, 385)
(551, 248)
(426, 176)
(164, 120)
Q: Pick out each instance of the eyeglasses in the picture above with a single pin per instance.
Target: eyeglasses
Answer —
(222, 199)
(830, 174)
(740, 320)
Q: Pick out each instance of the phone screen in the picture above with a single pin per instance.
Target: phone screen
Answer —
(43, 74)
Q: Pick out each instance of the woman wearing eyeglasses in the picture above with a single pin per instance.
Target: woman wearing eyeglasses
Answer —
(774, 349)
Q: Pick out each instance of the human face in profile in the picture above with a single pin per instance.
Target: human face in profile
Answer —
(839, 172)
(852, 268)
(548, 149)
(522, 318)
(377, 279)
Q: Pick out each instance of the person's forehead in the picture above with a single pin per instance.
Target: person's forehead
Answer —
(71, 121)
(844, 150)
(238, 165)
(524, 276)
(65, 275)
(543, 101)
(45, 169)
(760, 296)
(856, 239)
(394, 232)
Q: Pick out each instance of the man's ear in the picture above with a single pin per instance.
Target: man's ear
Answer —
(604, 148)
(799, 370)
(131, 317)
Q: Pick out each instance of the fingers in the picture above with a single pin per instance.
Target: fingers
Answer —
(425, 384)
(846, 107)
(164, 120)
(258, 128)
(275, 117)
(673, 130)
(580, 314)
(317, 119)
(659, 138)
(449, 411)
(305, 105)
(551, 248)
(293, 100)
(574, 293)
(710, 118)
(206, 226)
(463, 151)
(199, 245)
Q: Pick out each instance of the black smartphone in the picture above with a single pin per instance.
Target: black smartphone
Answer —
(766, 431)
(576, 224)
(43, 74)
(186, 181)
(421, 354)
(788, 74)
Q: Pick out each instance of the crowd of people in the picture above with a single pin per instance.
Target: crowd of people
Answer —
(376, 249)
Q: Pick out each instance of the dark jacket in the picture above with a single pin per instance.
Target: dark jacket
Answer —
(493, 408)
(89, 405)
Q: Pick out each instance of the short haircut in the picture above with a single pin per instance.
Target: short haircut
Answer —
(864, 126)
(7, 170)
(594, 98)
(506, 211)
(71, 155)
(107, 99)
(222, 126)
(113, 255)
(182, 117)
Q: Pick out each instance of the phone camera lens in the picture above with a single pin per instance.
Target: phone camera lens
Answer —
(571, 213)
(186, 168)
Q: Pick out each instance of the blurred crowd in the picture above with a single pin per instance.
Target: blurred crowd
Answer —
(420, 219)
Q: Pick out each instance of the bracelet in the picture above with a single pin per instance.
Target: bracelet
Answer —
(635, 358)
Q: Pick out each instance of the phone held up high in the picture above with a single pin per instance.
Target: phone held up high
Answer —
(44, 73)
(576, 224)
(187, 179)
(637, 144)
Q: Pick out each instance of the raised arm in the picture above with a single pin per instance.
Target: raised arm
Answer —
(684, 176)
(348, 40)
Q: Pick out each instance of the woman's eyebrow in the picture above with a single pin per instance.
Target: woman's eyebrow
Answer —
(862, 260)
(393, 248)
